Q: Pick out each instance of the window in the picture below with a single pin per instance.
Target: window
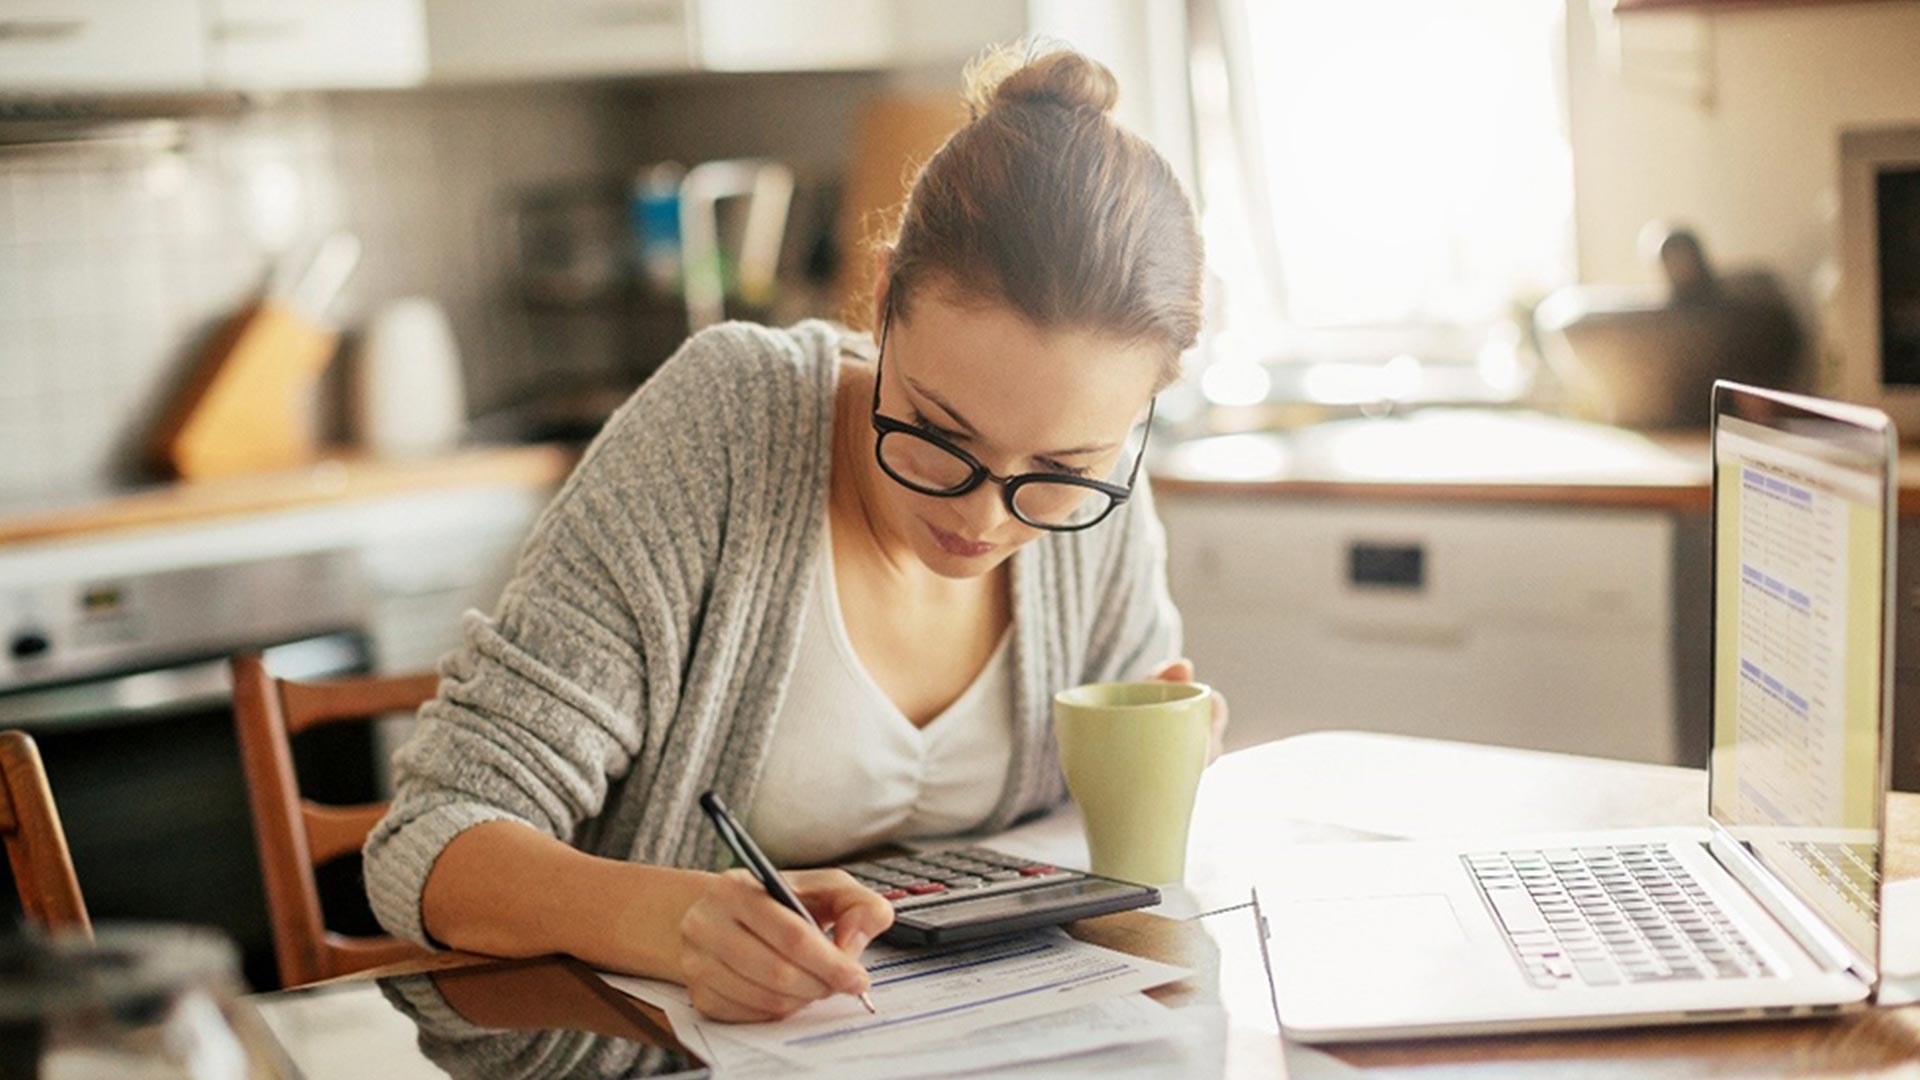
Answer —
(1381, 178)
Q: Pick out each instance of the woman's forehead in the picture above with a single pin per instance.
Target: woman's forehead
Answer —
(1011, 380)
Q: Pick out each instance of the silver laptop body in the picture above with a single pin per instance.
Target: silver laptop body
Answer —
(1767, 909)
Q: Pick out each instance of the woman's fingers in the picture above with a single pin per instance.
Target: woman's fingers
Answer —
(798, 942)
(1180, 670)
(1217, 736)
(727, 983)
(856, 913)
(745, 957)
(718, 1006)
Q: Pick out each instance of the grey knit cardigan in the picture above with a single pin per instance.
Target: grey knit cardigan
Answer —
(641, 651)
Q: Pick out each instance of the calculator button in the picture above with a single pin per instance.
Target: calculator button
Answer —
(926, 888)
(895, 894)
(965, 882)
(1004, 875)
(1037, 870)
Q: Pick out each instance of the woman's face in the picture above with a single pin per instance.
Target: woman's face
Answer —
(1019, 398)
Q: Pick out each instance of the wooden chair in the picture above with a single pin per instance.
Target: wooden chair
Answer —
(36, 844)
(295, 834)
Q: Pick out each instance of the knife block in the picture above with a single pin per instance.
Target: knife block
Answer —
(250, 405)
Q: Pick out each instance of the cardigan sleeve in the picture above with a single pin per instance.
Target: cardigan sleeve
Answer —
(1135, 627)
(549, 701)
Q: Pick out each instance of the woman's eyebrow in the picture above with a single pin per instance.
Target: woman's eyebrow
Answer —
(953, 414)
(968, 429)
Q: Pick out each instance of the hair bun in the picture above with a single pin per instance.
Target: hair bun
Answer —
(1009, 76)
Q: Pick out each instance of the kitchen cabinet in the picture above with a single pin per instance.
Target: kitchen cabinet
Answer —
(316, 44)
(1545, 627)
(101, 45)
(484, 40)
(513, 39)
(168, 46)
(785, 35)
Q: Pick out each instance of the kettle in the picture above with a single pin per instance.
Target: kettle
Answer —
(408, 398)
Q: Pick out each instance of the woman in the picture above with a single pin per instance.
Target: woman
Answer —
(839, 593)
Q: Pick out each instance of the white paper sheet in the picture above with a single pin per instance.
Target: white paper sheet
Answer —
(924, 996)
(1130, 1022)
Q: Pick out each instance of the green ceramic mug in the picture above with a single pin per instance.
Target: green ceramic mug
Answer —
(1133, 754)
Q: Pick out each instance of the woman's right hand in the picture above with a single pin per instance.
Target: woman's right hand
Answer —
(744, 958)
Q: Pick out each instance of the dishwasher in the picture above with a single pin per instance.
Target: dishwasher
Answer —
(122, 680)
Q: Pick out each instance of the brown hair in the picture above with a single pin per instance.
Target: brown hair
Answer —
(1043, 202)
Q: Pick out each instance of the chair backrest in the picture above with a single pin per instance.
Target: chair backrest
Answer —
(295, 834)
(36, 844)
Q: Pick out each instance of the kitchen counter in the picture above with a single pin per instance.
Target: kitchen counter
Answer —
(1465, 456)
(341, 478)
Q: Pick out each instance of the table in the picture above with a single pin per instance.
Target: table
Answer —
(1424, 789)
(1353, 786)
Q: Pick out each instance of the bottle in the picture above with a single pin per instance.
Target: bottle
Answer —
(654, 209)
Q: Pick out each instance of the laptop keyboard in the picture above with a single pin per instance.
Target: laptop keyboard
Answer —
(1847, 869)
(1609, 916)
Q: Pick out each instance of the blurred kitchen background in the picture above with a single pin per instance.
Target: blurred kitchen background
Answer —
(307, 306)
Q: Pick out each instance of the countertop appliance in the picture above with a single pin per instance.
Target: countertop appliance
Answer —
(1647, 358)
(113, 655)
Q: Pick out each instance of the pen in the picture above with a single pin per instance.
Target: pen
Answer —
(757, 864)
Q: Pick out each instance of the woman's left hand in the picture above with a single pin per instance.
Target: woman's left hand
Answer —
(1181, 670)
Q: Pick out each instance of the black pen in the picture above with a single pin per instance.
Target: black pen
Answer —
(757, 864)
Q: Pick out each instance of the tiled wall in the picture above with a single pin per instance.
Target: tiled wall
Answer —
(115, 266)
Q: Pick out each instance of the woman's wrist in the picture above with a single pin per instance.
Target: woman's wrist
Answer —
(633, 921)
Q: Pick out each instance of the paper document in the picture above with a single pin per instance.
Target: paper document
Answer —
(926, 996)
(1116, 1025)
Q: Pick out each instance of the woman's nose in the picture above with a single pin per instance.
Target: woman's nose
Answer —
(984, 508)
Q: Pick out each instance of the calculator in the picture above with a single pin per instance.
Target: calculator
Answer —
(940, 897)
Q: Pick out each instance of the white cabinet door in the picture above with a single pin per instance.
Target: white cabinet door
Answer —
(101, 45)
(525, 39)
(794, 35)
(316, 44)
(1542, 628)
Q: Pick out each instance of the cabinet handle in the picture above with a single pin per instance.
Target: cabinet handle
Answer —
(41, 31)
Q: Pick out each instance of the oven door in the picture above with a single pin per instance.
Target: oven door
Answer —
(145, 769)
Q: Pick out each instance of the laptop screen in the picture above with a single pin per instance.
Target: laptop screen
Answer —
(1800, 519)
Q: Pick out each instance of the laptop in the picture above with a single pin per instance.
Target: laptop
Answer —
(1769, 908)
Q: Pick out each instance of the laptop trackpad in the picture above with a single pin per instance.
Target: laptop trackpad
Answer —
(1419, 921)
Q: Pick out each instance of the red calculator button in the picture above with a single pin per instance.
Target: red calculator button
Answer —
(927, 889)
(895, 894)
(1036, 871)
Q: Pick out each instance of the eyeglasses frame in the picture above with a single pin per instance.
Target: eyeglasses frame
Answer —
(1009, 486)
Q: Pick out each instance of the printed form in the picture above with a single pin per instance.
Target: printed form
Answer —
(927, 997)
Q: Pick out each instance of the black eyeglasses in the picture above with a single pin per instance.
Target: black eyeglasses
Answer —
(921, 460)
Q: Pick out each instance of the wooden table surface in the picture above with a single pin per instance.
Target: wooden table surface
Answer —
(1341, 785)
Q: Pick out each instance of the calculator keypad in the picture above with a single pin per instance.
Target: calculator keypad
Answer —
(928, 877)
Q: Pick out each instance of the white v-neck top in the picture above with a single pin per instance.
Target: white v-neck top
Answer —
(847, 770)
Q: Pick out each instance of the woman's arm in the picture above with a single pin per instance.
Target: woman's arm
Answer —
(506, 890)
(574, 686)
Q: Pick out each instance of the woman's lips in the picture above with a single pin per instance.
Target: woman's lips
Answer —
(956, 545)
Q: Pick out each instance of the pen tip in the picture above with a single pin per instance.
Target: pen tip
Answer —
(868, 1002)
